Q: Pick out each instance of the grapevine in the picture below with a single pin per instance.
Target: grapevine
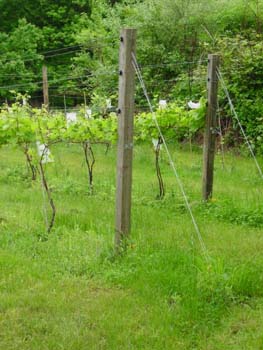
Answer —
(27, 127)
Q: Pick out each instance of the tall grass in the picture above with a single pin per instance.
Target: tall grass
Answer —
(69, 287)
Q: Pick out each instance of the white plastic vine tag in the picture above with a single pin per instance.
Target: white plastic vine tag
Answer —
(71, 117)
(155, 144)
(194, 105)
(108, 103)
(162, 104)
(44, 153)
(88, 113)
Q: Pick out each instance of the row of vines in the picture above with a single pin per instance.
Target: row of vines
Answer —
(34, 131)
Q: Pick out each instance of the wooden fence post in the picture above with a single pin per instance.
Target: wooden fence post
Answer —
(65, 105)
(45, 86)
(125, 135)
(210, 127)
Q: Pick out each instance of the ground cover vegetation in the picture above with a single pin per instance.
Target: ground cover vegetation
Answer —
(68, 287)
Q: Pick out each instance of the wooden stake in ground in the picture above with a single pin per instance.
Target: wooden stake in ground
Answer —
(125, 135)
(45, 86)
(85, 101)
(65, 105)
(210, 127)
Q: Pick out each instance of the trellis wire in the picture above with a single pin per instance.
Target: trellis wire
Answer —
(197, 230)
(221, 135)
(233, 110)
(58, 80)
(88, 44)
(175, 63)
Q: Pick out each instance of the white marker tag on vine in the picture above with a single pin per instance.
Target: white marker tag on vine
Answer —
(71, 117)
(162, 104)
(194, 105)
(155, 144)
(88, 114)
(44, 153)
(108, 103)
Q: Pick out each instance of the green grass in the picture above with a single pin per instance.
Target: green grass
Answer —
(69, 291)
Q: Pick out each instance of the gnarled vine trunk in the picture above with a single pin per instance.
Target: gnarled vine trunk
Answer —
(158, 169)
(30, 164)
(48, 192)
(90, 162)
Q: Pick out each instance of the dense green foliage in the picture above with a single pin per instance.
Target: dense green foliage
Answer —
(174, 38)
(22, 124)
(243, 69)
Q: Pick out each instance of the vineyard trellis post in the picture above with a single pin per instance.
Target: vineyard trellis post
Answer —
(125, 135)
(45, 86)
(210, 126)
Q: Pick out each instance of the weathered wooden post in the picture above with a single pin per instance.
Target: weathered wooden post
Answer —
(45, 86)
(125, 135)
(65, 104)
(210, 127)
(85, 100)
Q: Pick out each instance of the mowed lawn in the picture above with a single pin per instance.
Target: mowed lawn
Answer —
(68, 290)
